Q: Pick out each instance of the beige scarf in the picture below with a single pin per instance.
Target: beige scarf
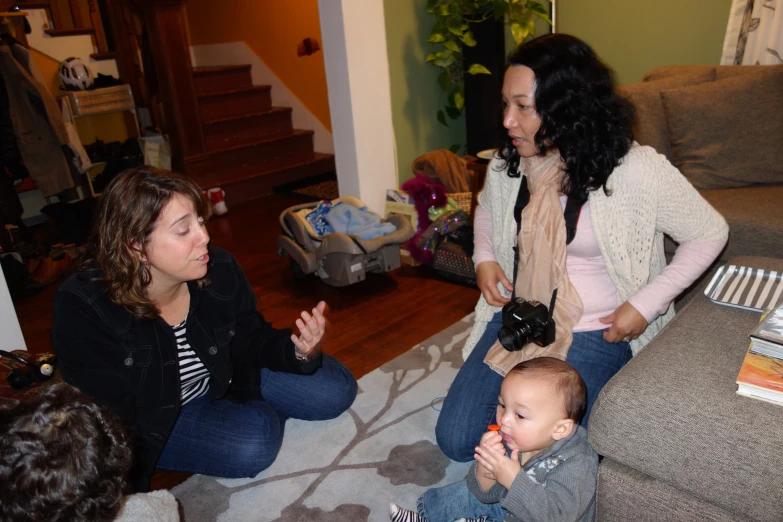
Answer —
(542, 264)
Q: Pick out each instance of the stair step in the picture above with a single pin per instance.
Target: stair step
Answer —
(210, 80)
(70, 32)
(241, 187)
(252, 157)
(237, 102)
(247, 128)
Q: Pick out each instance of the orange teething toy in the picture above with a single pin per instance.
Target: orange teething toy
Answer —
(493, 427)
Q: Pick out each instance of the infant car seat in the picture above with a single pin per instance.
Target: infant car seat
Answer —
(339, 259)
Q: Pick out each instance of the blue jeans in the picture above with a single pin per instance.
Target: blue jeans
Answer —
(455, 501)
(471, 401)
(229, 439)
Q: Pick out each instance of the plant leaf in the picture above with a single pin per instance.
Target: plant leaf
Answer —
(459, 100)
(537, 8)
(518, 32)
(444, 81)
(477, 68)
(454, 148)
(455, 27)
(444, 9)
(449, 44)
(468, 39)
(436, 38)
(432, 57)
(442, 118)
(453, 112)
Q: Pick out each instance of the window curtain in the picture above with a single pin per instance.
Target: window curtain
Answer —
(754, 35)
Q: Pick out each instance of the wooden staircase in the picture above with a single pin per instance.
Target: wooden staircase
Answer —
(251, 146)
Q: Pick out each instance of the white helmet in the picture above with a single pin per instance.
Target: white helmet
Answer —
(75, 75)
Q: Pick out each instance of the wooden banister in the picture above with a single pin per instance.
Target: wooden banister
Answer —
(167, 28)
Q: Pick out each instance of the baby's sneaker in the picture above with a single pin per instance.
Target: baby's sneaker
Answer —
(397, 514)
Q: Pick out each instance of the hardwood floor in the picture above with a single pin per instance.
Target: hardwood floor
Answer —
(372, 322)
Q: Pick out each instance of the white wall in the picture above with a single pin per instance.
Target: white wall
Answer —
(63, 47)
(238, 53)
(11, 338)
(357, 75)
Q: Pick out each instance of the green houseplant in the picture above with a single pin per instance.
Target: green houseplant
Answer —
(452, 31)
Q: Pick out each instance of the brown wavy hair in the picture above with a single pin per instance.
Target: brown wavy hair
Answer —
(62, 458)
(128, 211)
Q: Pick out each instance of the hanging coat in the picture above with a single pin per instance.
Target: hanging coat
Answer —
(39, 126)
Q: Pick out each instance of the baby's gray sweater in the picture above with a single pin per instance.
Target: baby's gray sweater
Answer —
(556, 485)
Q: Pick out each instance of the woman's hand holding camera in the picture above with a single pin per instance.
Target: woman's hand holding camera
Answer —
(488, 275)
(626, 324)
(311, 331)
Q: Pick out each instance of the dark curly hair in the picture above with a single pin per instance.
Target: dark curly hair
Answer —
(62, 458)
(582, 116)
(128, 211)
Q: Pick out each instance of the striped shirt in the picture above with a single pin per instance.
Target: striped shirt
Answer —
(193, 375)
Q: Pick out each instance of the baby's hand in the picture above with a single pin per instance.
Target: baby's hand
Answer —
(490, 439)
(504, 469)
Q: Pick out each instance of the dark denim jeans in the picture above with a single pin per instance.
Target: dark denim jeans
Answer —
(470, 404)
(227, 439)
(454, 502)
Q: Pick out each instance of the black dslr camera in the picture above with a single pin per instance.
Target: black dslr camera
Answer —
(526, 322)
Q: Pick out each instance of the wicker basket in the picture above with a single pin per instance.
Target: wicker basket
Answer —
(108, 99)
(462, 199)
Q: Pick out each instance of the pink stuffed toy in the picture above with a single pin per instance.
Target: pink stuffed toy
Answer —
(426, 193)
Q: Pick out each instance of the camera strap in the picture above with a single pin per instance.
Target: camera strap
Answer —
(571, 214)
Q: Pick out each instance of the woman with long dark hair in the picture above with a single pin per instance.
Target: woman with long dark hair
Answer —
(572, 216)
(163, 329)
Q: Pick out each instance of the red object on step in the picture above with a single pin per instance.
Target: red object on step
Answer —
(217, 198)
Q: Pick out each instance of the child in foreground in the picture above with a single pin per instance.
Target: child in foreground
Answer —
(538, 466)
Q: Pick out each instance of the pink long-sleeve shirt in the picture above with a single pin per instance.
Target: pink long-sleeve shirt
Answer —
(588, 274)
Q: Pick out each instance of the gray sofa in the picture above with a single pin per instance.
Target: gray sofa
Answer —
(677, 443)
(723, 128)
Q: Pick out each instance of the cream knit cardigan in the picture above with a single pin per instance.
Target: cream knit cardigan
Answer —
(649, 197)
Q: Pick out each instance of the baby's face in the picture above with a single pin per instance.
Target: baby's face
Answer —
(528, 412)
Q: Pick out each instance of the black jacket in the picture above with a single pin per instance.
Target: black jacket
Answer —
(130, 365)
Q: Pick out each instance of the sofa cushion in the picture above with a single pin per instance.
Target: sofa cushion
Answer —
(626, 494)
(668, 71)
(755, 218)
(728, 133)
(650, 125)
(730, 71)
(672, 412)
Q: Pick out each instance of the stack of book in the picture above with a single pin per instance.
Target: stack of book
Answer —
(761, 374)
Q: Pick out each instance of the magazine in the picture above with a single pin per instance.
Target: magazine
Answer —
(767, 338)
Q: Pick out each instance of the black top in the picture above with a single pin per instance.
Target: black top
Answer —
(130, 365)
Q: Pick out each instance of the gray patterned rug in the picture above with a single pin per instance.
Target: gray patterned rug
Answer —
(349, 469)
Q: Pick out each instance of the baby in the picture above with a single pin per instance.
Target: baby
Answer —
(535, 464)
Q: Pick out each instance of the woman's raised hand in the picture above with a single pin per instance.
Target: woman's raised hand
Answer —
(311, 330)
(488, 275)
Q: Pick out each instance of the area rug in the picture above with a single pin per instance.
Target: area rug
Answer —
(348, 469)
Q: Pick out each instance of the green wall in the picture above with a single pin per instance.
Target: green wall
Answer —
(635, 36)
(415, 95)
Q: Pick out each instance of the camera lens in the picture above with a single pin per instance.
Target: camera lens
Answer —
(514, 336)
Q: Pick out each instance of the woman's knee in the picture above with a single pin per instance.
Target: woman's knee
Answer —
(257, 442)
(452, 439)
(339, 389)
